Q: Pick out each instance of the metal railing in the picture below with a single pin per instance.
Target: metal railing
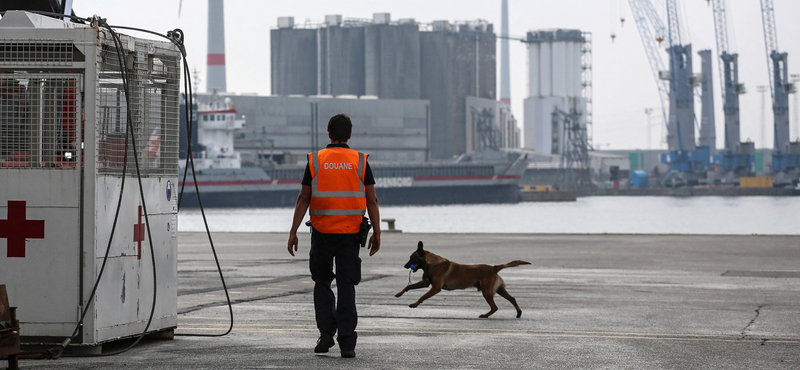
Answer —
(40, 120)
(154, 93)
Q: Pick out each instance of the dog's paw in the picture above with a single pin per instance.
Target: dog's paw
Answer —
(399, 294)
(413, 305)
(484, 316)
(519, 313)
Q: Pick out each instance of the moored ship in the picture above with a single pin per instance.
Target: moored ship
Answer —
(482, 177)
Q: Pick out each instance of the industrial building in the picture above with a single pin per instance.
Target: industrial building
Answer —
(458, 60)
(282, 129)
(490, 125)
(296, 72)
(555, 84)
(347, 57)
(441, 62)
(391, 58)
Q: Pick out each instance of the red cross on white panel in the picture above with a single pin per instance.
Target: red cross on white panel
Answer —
(17, 228)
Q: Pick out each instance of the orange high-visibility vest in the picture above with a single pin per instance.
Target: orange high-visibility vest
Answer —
(338, 200)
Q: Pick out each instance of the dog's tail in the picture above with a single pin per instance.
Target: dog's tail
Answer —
(511, 264)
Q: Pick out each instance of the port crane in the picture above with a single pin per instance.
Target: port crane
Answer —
(676, 87)
(786, 155)
(652, 31)
(738, 157)
(683, 157)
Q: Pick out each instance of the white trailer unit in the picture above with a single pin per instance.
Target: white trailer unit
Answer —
(63, 129)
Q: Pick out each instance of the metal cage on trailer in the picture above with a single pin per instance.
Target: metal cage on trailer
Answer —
(63, 129)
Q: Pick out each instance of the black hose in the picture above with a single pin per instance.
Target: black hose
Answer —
(176, 36)
(123, 71)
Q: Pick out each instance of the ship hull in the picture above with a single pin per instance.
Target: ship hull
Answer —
(428, 195)
(394, 185)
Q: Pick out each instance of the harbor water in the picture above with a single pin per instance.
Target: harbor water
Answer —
(588, 215)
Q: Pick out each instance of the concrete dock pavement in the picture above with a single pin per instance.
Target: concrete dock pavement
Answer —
(588, 301)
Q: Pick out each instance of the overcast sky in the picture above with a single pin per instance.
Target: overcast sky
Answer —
(623, 83)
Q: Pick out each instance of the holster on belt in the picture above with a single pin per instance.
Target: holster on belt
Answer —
(364, 231)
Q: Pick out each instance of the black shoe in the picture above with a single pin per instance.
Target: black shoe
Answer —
(348, 354)
(324, 342)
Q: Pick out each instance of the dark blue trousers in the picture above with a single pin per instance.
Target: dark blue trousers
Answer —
(333, 316)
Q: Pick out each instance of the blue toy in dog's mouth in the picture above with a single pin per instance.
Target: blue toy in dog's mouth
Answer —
(413, 268)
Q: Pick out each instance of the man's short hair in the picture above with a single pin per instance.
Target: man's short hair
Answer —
(340, 127)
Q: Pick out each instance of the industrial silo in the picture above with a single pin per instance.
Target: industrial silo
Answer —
(293, 59)
(340, 57)
(554, 83)
(458, 60)
(392, 58)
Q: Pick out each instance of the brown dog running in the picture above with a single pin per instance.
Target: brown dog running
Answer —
(440, 273)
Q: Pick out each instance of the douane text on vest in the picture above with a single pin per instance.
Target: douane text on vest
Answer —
(338, 166)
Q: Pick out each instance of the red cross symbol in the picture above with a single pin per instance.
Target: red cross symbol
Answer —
(17, 228)
(138, 233)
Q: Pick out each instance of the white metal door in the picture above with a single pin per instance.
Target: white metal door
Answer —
(40, 204)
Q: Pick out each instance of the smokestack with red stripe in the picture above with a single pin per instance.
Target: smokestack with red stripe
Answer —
(215, 71)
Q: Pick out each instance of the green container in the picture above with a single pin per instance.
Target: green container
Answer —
(635, 160)
(759, 162)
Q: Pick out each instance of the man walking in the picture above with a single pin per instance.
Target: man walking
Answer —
(339, 188)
